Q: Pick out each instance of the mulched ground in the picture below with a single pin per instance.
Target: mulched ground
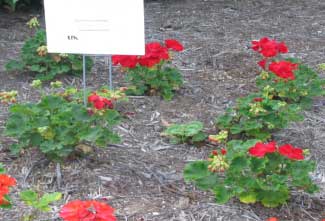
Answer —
(142, 176)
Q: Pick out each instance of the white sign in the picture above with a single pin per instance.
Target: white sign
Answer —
(100, 27)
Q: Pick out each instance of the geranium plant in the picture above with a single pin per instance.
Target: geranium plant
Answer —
(254, 172)
(152, 73)
(6, 182)
(59, 122)
(286, 87)
(34, 58)
(90, 210)
(185, 133)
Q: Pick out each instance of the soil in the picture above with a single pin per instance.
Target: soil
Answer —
(142, 176)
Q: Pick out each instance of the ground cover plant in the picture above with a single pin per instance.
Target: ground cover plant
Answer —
(259, 170)
(34, 58)
(59, 122)
(152, 73)
(185, 133)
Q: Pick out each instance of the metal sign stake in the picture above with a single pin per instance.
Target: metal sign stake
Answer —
(84, 78)
(110, 70)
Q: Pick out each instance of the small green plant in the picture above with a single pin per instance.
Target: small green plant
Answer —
(152, 73)
(59, 122)
(254, 172)
(257, 116)
(185, 133)
(38, 203)
(12, 4)
(34, 58)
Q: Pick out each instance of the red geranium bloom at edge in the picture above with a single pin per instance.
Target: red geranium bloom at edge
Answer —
(291, 152)
(283, 69)
(90, 210)
(268, 47)
(174, 45)
(260, 149)
(5, 182)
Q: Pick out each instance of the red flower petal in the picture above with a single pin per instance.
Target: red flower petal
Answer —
(291, 152)
(260, 149)
(174, 45)
(283, 69)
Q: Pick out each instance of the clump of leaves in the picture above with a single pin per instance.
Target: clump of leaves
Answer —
(257, 116)
(152, 73)
(185, 133)
(254, 172)
(59, 122)
(38, 203)
(34, 58)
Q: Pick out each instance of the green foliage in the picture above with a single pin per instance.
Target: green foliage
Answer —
(258, 119)
(163, 80)
(12, 4)
(57, 124)
(185, 133)
(279, 102)
(34, 58)
(39, 204)
(268, 180)
(307, 84)
(32, 199)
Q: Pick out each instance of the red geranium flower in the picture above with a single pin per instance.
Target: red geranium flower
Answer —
(258, 99)
(291, 152)
(223, 151)
(155, 52)
(100, 102)
(90, 210)
(260, 149)
(174, 45)
(127, 61)
(283, 69)
(262, 63)
(5, 182)
(268, 47)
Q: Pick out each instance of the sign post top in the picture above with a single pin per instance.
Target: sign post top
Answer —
(102, 27)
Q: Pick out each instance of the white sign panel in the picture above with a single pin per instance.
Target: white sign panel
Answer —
(100, 27)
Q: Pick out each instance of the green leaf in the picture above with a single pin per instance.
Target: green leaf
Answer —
(248, 197)
(222, 194)
(196, 170)
(47, 199)
(13, 65)
(29, 197)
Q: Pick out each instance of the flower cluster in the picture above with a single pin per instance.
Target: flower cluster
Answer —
(89, 210)
(218, 138)
(217, 161)
(8, 97)
(270, 48)
(154, 54)
(5, 183)
(99, 102)
(287, 150)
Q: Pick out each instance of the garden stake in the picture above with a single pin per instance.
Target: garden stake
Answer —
(110, 68)
(84, 78)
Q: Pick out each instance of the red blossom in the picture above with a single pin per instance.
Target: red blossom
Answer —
(174, 45)
(5, 183)
(214, 152)
(90, 210)
(127, 61)
(291, 152)
(100, 102)
(260, 149)
(223, 151)
(268, 47)
(283, 69)
(155, 53)
(258, 99)
(262, 63)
